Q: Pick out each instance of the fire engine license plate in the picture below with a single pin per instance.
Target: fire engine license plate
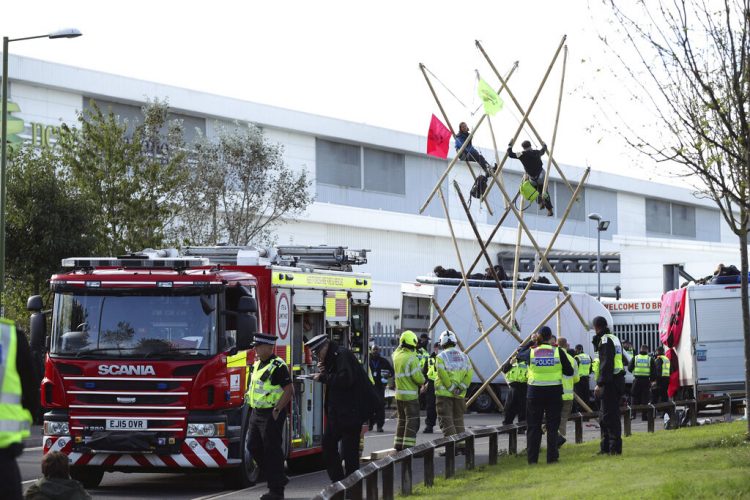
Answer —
(126, 424)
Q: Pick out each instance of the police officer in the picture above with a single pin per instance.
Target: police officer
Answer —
(547, 365)
(19, 400)
(516, 375)
(453, 378)
(381, 371)
(409, 379)
(269, 394)
(642, 368)
(568, 383)
(582, 388)
(662, 369)
(346, 404)
(610, 386)
(428, 389)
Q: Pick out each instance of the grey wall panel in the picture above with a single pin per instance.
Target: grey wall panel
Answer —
(708, 224)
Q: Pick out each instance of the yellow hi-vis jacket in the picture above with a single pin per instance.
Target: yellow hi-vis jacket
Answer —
(408, 374)
(15, 420)
(454, 373)
(262, 393)
(545, 368)
(584, 362)
(569, 382)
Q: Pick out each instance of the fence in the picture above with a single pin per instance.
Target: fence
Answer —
(384, 469)
(385, 337)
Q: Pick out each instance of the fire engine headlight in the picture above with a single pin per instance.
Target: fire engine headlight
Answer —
(53, 428)
(205, 430)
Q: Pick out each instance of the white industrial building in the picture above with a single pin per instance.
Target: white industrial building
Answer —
(369, 183)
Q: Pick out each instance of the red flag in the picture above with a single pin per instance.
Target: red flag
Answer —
(438, 138)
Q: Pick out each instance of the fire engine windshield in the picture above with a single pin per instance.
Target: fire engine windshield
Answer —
(134, 326)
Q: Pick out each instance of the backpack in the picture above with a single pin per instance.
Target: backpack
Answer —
(479, 187)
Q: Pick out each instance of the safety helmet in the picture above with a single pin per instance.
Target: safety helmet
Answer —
(447, 337)
(408, 338)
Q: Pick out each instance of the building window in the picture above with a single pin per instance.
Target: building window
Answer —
(360, 168)
(562, 197)
(663, 217)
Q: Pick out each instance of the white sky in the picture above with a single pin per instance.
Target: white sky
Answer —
(347, 59)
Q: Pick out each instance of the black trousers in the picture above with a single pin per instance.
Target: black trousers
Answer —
(266, 447)
(537, 408)
(348, 436)
(662, 384)
(431, 417)
(609, 420)
(477, 157)
(378, 417)
(515, 403)
(641, 393)
(10, 476)
(584, 392)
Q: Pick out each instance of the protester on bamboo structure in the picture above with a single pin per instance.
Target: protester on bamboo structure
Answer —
(582, 388)
(516, 375)
(642, 368)
(547, 365)
(568, 384)
(454, 375)
(409, 379)
(610, 386)
(470, 153)
(531, 159)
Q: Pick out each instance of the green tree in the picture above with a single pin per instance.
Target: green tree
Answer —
(239, 189)
(688, 63)
(47, 220)
(131, 173)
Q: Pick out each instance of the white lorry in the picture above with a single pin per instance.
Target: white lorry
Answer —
(417, 314)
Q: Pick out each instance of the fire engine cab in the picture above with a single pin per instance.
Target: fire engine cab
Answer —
(148, 358)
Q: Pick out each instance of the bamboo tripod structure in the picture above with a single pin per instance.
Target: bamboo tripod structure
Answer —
(507, 321)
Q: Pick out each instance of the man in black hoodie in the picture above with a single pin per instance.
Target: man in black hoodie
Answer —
(531, 159)
(348, 404)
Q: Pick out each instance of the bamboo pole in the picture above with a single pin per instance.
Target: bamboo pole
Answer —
(516, 259)
(520, 109)
(526, 114)
(441, 314)
(557, 119)
(557, 318)
(499, 319)
(497, 372)
(448, 122)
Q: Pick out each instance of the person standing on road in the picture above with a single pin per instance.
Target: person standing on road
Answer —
(547, 365)
(19, 400)
(454, 375)
(56, 483)
(516, 375)
(382, 371)
(582, 388)
(568, 383)
(662, 369)
(642, 368)
(409, 379)
(347, 404)
(429, 390)
(269, 394)
(610, 386)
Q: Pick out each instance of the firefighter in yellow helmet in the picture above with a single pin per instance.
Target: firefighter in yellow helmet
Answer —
(409, 378)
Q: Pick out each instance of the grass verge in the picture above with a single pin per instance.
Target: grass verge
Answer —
(701, 462)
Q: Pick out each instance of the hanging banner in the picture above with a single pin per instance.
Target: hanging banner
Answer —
(672, 317)
(438, 138)
(490, 99)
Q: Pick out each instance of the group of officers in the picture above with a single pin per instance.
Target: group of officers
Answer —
(544, 378)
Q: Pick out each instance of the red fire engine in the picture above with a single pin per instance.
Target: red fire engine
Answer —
(148, 358)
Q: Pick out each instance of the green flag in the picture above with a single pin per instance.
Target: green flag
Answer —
(492, 101)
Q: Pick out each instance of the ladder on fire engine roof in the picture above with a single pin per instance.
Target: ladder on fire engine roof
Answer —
(314, 257)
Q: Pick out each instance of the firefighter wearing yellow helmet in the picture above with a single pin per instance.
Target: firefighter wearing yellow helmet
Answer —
(409, 378)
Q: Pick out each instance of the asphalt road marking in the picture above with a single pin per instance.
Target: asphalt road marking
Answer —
(34, 449)
(224, 494)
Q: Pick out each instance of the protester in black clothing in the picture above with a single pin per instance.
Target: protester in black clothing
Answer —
(610, 386)
(470, 153)
(350, 399)
(10, 476)
(642, 368)
(531, 159)
(381, 370)
(543, 398)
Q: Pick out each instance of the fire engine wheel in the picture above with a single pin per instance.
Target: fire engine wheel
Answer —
(247, 473)
(483, 403)
(89, 477)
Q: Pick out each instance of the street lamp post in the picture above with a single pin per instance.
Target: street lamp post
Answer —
(66, 33)
(601, 225)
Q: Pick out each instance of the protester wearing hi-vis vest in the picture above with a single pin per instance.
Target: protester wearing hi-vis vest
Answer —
(642, 368)
(19, 400)
(453, 378)
(409, 378)
(269, 394)
(547, 365)
(610, 386)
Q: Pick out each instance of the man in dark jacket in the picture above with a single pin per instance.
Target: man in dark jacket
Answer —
(381, 370)
(610, 386)
(56, 483)
(531, 159)
(347, 404)
(470, 153)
